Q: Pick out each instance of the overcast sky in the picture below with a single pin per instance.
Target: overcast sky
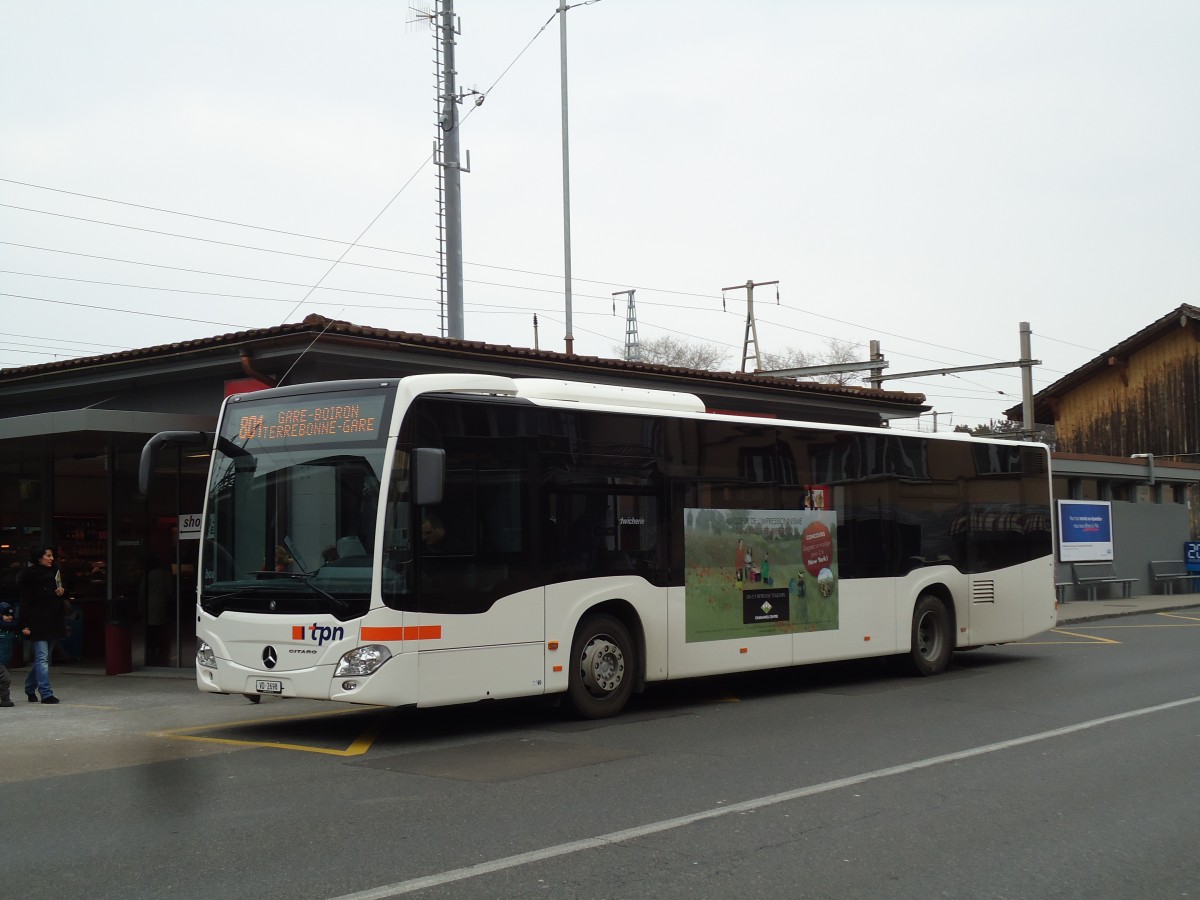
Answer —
(927, 173)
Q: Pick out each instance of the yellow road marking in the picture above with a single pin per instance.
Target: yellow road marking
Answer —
(1188, 622)
(1086, 638)
(1167, 615)
(358, 746)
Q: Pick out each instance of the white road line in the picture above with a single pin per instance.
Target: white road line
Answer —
(628, 834)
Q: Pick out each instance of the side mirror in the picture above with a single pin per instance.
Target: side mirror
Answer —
(429, 475)
(149, 457)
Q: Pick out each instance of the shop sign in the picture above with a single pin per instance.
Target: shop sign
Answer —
(189, 527)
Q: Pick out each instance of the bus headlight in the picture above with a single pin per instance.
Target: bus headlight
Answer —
(362, 660)
(205, 656)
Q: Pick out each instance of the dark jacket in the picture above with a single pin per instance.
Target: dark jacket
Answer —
(43, 612)
(10, 633)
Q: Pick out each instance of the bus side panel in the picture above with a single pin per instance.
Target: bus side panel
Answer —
(996, 608)
(480, 673)
(1010, 604)
(655, 618)
(742, 654)
(518, 618)
(499, 653)
(866, 617)
(1041, 604)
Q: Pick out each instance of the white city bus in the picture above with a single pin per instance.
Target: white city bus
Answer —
(445, 539)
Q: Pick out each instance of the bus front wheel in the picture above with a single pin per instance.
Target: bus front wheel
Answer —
(932, 641)
(602, 667)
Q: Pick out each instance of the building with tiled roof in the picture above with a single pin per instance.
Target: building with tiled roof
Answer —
(71, 434)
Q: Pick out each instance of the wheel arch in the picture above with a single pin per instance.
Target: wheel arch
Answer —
(628, 616)
(943, 593)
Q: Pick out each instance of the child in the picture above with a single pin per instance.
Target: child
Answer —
(8, 636)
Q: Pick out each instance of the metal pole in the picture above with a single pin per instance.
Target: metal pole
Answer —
(751, 325)
(875, 379)
(566, 173)
(179, 561)
(751, 329)
(1028, 426)
(450, 170)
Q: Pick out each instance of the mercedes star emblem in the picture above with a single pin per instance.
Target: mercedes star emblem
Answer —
(270, 657)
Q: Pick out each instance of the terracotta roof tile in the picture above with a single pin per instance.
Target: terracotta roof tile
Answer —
(319, 325)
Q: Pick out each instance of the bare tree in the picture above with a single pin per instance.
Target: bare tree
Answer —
(790, 358)
(669, 351)
(841, 352)
(835, 352)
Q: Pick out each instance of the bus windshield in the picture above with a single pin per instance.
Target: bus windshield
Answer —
(290, 516)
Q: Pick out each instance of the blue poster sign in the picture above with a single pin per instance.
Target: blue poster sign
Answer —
(1191, 555)
(1085, 530)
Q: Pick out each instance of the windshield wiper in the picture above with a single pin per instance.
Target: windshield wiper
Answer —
(250, 590)
(291, 549)
(211, 601)
(305, 579)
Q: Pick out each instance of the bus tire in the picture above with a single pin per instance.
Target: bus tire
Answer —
(932, 641)
(603, 666)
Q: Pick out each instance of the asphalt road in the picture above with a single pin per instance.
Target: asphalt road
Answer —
(1068, 766)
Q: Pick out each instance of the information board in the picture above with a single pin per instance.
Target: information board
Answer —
(1085, 531)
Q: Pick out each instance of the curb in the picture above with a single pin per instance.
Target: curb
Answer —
(1118, 614)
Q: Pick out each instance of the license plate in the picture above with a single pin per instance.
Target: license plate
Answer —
(268, 687)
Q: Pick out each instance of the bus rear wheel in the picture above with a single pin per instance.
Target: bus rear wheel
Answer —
(602, 667)
(932, 641)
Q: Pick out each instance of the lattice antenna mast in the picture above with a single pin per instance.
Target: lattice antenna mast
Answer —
(446, 27)
(633, 347)
(751, 336)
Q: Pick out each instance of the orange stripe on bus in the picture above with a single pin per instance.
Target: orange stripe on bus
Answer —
(297, 632)
(410, 633)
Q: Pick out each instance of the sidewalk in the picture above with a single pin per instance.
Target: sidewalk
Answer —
(126, 720)
(1076, 611)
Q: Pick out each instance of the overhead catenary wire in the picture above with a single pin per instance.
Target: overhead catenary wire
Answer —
(132, 312)
(554, 291)
(551, 290)
(509, 307)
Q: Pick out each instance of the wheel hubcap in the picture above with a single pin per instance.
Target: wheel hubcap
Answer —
(602, 666)
(928, 636)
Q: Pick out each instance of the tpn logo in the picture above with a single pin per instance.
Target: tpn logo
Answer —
(322, 634)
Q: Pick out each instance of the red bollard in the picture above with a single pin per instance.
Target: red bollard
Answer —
(118, 649)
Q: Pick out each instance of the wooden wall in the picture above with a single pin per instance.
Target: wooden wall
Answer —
(1148, 402)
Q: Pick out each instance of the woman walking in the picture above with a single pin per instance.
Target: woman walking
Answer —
(43, 612)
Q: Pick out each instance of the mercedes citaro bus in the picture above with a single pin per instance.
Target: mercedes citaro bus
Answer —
(451, 538)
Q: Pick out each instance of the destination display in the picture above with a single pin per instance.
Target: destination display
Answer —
(319, 419)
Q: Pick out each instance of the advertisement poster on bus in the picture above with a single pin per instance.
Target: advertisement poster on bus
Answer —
(1085, 530)
(757, 572)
